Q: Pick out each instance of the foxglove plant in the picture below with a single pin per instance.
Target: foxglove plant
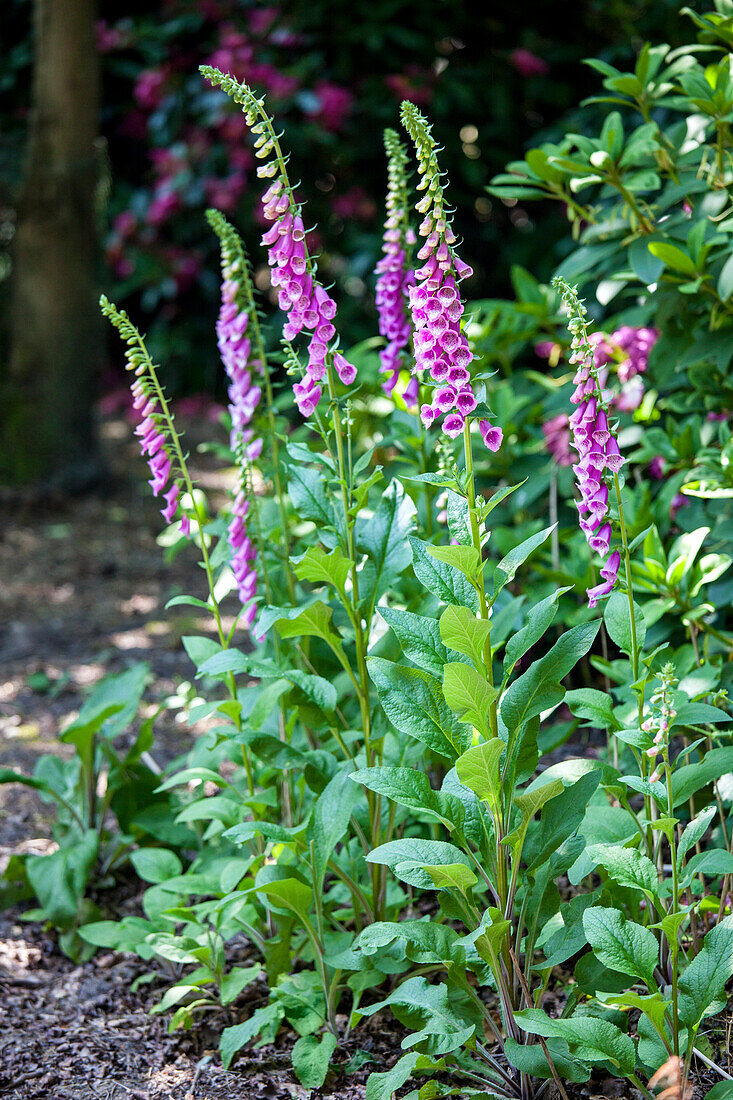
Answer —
(595, 441)
(394, 272)
(237, 315)
(306, 304)
(159, 440)
(441, 347)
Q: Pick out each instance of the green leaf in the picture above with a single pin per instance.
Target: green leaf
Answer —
(725, 279)
(289, 893)
(440, 579)
(463, 632)
(382, 1086)
(626, 866)
(59, 880)
(327, 567)
(478, 769)
(459, 523)
(704, 979)
(413, 702)
(691, 777)
(406, 858)
(594, 1040)
(507, 568)
(264, 1021)
(411, 788)
(560, 818)
(419, 1005)
(462, 558)
(424, 941)
(419, 637)
(530, 1059)
(673, 257)
(455, 876)
(156, 864)
(539, 619)
(312, 1058)
(539, 687)
(313, 621)
(618, 623)
(238, 978)
(622, 945)
(329, 821)
(384, 538)
(595, 706)
(468, 694)
(694, 832)
(307, 491)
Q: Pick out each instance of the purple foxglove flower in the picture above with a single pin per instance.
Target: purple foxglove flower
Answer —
(441, 350)
(593, 437)
(453, 425)
(491, 435)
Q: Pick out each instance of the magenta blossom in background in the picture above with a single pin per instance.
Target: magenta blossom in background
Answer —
(657, 468)
(334, 105)
(557, 439)
(527, 63)
(148, 90)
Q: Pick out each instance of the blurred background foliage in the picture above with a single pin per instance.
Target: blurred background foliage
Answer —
(493, 80)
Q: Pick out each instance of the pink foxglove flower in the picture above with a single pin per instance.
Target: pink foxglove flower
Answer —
(594, 439)
(307, 305)
(157, 435)
(237, 330)
(394, 274)
(442, 354)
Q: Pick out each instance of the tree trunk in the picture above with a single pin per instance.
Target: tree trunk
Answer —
(46, 423)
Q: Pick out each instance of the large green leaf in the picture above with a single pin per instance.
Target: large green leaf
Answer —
(507, 568)
(59, 880)
(618, 622)
(621, 944)
(462, 631)
(329, 821)
(321, 566)
(263, 1021)
(419, 637)
(424, 941)
(307, 491)
(539, 619)
(561, 817)
(413, 701)
(539, 687)
(384, 537)
(691, 777)
(312, 1058)
(592, 1040)
(704, 979)
(530, 1059)
(406, 858)
(411, 788)
(422, 1007)
(626, 866)
(478, 769)
(440, 579)
(468, 694)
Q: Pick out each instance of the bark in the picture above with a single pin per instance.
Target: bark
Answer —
(55, 344)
